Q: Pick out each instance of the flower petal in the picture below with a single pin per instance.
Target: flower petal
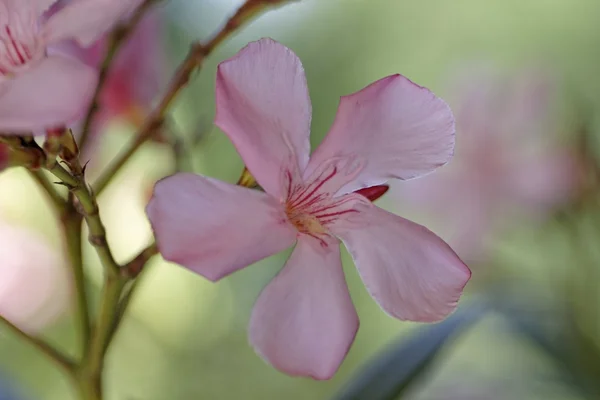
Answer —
(304, 322)
(86, 20)
(412, 273)
(38, 6)
(214, 228)
(402, 130)
(264, 108)
(43, 5)
(52, 93)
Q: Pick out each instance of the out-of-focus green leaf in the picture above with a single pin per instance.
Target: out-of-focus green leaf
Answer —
(559, 341)
(388, 375)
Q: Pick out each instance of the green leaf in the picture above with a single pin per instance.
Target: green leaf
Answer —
(389, 374)
(555, 334)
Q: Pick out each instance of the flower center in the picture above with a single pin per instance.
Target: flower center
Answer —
(19, 43)
(310, 204)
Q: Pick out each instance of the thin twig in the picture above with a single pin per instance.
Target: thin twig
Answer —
(194, 60)
(116, 39)
(126, 300)
(58, 358)
(88, 207)
(134, 270)
(103, 333)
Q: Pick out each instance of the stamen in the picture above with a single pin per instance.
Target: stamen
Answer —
(311, 204)
(319, 185)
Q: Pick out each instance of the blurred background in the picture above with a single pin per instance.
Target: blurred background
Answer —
(519, 203)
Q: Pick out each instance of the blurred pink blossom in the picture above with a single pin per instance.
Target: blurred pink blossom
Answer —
(34, 286)
(304, 321)
(136, 75)
(508, 162)
(40, 88)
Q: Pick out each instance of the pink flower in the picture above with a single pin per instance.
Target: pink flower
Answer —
(507, 166)
(304, 321)
(34, 286)
(136, 75)
(40, 88)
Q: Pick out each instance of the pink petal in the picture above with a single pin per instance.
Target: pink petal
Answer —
(264, 108)
(402, 131)
(86, 20)
(413, 274)
(215, 228)
(53, 93)
(42, 5)
(304, 321)
(39, 6)
(139, 71)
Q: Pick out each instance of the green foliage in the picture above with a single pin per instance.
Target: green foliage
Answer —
(389, 374)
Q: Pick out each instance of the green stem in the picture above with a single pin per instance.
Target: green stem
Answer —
(89, 389)
(59, 359)
(133, 270)
(103, 331)
(91, 367)
(71, 222)
(88, 207)
(134, 267)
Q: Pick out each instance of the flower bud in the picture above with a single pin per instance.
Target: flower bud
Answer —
(374, 192)
(60, 142)
(247, 180)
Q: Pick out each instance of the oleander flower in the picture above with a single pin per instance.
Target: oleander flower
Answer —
(39, 87)
(34, 286)
(304, 322)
